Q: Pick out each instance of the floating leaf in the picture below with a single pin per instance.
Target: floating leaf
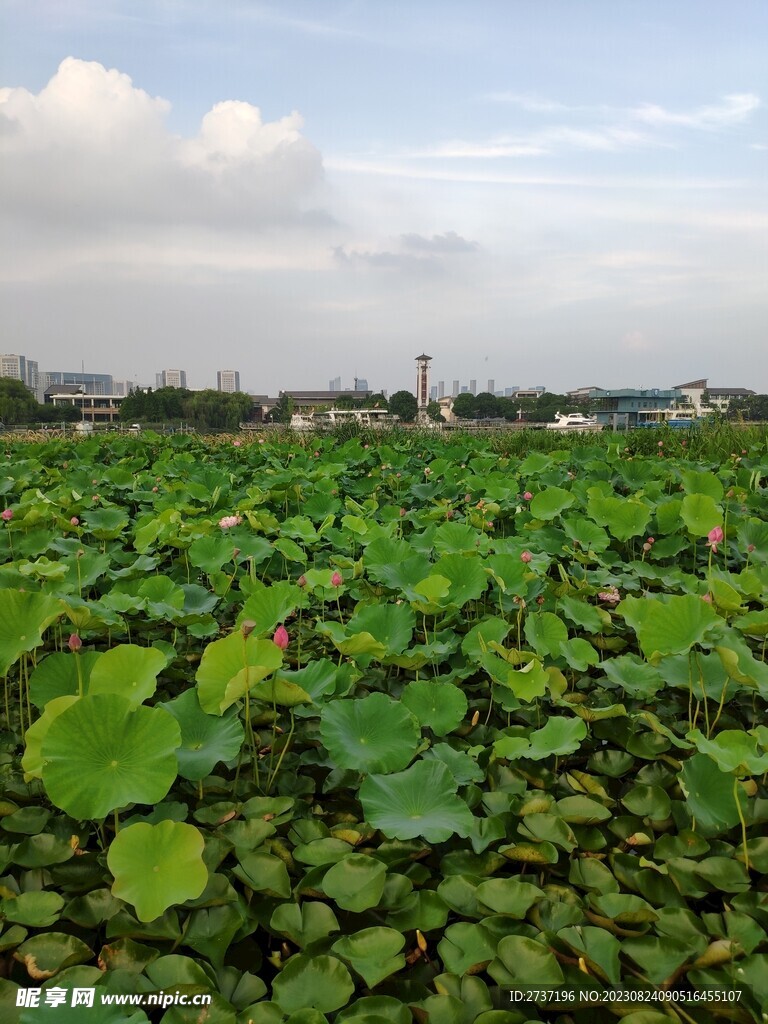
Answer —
(420, 801)
(370, 734)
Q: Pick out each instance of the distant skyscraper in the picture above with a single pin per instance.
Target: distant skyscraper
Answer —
(464, 389)
(473, 387)
(455, 389)
(441, 389)
(171, 379)
(20, 368)
(335, 384)
(228, 380)
(91, 383)
(491, 385)
(433, 393)
(361, 384)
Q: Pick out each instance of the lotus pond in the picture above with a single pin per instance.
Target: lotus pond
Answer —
(382, 729)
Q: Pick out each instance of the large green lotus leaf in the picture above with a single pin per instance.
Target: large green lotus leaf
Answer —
(509, 573)
(101, 753)
(36, 909)
(549, 503)
(599, 948)
(369, 734)
(669, 627)
(710, 795)
(421, 801)
(526, 683)
(700, 514)
(624, 517)
(389, 624)
(697, 482)
(545, 632)
(466, 948)
(32, 761)
(271, 605)
(312, 982)
(592, 619)
(304, 922)
(438, 706)
(560, 736)
(157, 866)
(356, 882)
(56, 676)
(129, 671)
(24, 617)
(281, 692)
(754, 532)
(636, 677)
(462, 766)
(732, 751)
(466, 576)
(586, 534)
(211, 553)
(105, 523)
(374, 953)
(232, 666)
(205, 739)
(509, 896)
(523, 961)
(351, 645)
(455, 538)
(476, 642)
(322, 678)
(375, 1010)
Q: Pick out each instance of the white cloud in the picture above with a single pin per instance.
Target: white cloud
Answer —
(733, 109)
(91, 151)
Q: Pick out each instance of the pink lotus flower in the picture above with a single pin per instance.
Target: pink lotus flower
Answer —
(750, 548)
(525, 556)
(661, 444)
(610, 596)
(237, 443)
(6, 515)
(301, 581)
(227, 522)
(337, 579)
(707, 598)
(281, 637)
(528, 496)
(74, 521)
(74, 643)
(715, 537)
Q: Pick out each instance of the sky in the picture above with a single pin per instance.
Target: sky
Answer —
(538, 192)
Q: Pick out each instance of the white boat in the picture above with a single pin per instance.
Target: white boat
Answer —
(573, 421)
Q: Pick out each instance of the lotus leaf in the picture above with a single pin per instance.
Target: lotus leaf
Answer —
(231, 667)
(370, 734)
(421, 801)
(24, 617)
(312, 982)
(374, 953)
(129, 671)
(205, 739)
(156, 866)
(101, 753)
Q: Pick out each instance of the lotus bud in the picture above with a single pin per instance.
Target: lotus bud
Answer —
(528, 496)
(74, 521)
(235, 552)
(337, 579)
(281, 637)
(525, 556)
(247, 627)
(647, 546)
(74, 643)
(6, 515)
(301, 581)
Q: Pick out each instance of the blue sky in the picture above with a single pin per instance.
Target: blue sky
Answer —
(535, 192)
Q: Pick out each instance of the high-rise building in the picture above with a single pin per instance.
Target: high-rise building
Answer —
(473, 387)
(433, 393)
(361, 384)
(491, 386)
(171, 379)
(441, 389)
(455, 389)
(228, 380)
(335, 384)
(20, 368)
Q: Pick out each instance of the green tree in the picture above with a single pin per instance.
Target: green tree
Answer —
(17, 403)
(376, 402)
(487, 405)
(51, 413)
(434, 412)
(465, 406)
(283, 411)
(404, 405)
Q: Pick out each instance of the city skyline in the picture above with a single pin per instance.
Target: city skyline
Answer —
(569, 194)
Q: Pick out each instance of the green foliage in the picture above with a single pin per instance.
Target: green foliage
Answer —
(404, 405)
(520, 743)
(17, 403)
